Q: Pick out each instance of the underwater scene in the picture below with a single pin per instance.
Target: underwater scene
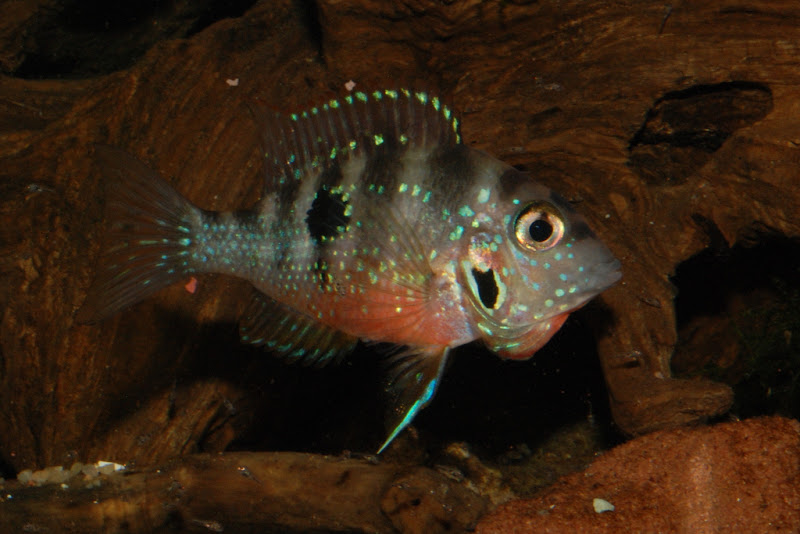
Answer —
(399, 267)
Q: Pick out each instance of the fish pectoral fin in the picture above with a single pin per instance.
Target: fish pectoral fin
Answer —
(296, 336)
(413, 378)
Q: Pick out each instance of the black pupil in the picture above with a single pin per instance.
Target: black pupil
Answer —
(540, 230)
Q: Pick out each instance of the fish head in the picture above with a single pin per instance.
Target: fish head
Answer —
(530, 261)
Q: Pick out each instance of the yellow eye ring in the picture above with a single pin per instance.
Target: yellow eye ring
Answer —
(539, 226)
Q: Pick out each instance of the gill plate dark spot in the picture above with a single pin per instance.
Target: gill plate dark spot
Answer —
(487, 287)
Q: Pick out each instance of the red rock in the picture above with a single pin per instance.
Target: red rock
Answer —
(732, 477)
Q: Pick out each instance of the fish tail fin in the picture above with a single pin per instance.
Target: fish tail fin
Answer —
(148, 243)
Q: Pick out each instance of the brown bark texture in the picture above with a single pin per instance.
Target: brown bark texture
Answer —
(248, 492)
(673, 127)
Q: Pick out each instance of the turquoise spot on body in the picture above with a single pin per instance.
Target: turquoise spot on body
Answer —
(466, 211)
(456, 234)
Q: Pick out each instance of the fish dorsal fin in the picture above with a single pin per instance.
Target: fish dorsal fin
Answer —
(414, 375)
(293, 335)
(355, 123)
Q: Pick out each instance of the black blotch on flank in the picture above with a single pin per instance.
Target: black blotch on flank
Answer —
(487, 287)
(326, 219)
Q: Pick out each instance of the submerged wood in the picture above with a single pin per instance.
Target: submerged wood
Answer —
(248, 492)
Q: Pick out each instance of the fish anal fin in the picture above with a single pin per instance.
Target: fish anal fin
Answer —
(415, 374)
(291, 334)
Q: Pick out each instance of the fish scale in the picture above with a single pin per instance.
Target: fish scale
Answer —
(376, 223)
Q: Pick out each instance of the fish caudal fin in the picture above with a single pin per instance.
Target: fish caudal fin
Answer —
(414, 377)
(147, 244)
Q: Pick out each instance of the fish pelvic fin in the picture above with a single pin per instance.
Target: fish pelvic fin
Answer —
(148, 242)
(414, 376)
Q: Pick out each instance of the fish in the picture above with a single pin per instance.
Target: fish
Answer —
(376, 223)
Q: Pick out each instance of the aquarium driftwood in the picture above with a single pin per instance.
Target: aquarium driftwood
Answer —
(672, 127)
(247, 492)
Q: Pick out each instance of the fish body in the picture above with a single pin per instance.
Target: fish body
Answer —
(376, 223)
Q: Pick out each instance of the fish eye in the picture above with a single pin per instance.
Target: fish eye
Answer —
(539, 226)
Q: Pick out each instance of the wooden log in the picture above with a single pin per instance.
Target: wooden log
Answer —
(248, 492)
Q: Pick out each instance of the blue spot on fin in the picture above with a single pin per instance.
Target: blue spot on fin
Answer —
(146, 247)
(291, 334)
(414, 377)
(358, 123)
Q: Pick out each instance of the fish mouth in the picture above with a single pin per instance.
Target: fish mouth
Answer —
(599, 278)
(607, 274)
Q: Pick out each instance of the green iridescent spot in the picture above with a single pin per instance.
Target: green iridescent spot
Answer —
(403, 139)
(361, 96)
(402, 188)
(349, 99)
(314, 111)
(559, 292)
(457, 233)
(334, 104)
(377, 95)
(466, 211)
(427, 197)
(435, 103)
(391, 94)
(378, 139)
(352, 144)
(293, 116)
(422, 97)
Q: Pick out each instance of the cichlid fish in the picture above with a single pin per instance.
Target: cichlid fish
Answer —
(376, 223)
